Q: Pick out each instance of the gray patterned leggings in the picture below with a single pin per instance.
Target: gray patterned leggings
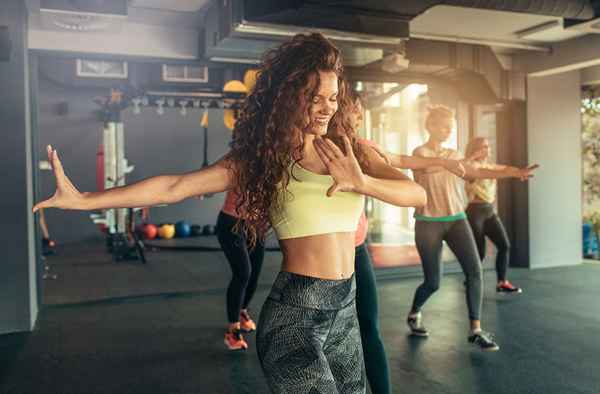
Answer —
(308, 338)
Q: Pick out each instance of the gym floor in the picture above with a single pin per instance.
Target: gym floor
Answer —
(127, 328)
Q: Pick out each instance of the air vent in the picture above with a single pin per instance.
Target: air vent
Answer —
(83, 15)
(184, 73)
(101, 69)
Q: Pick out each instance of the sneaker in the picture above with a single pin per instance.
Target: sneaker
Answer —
(235, 341)
(507, 287)
(415, 323)
(246, 323)
(485, 341)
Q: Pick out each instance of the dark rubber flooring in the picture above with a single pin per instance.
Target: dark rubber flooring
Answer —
(159, 329)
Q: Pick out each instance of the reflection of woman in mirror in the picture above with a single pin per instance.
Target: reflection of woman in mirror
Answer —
(444, 219)
(367, 305)
(481, 213)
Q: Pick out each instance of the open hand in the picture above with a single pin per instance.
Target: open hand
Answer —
(343, 167)
(478, 155)
(525, 173)
(66, 196)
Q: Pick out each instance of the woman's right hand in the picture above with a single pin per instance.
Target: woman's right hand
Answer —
(66, 196)
(456, 167)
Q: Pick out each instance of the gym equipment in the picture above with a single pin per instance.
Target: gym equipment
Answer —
(112, 168)
(204, 124)
(250, 77)
(195, 230)
(166, 231)
(48, 247)
(150, 231)
(209, 229)
(182, 229)
(233, 89)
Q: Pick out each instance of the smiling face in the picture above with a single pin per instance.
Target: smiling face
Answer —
(324, 104)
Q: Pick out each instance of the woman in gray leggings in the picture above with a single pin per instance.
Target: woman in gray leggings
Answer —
(444, 219)
(481, 213)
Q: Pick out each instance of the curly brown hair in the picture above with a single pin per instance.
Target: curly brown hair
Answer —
(267, 138)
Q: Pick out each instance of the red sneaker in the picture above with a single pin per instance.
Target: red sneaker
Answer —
(507, 287)
(246, 323)
(234, 340)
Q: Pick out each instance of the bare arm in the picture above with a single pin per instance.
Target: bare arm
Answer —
(381, 181)
(498, 172)
(388, 184)
(426, 164)
(152, 191)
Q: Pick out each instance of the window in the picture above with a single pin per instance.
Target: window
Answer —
(184, 73)
(101, 69)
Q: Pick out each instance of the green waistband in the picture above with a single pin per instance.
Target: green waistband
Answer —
(458, 216)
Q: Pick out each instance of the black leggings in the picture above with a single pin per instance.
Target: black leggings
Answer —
(245, 266)
(376, 363)
(429, 237)
(485, 222)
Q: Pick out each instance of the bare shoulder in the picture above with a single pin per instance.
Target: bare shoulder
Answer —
(420, 151)
(453, 154)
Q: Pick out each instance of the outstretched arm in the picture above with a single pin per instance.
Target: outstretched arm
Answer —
(498, 172)
(381, 181)
(427, 164)
(163, 189)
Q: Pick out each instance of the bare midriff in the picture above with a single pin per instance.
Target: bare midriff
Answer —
(324, 256)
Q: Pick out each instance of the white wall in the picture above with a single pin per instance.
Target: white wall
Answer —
(554, 141)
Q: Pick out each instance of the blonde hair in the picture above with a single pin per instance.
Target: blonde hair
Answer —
(474, 145)
(436, 114)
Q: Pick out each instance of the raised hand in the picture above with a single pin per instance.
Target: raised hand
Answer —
(343, 167)
(66, 196)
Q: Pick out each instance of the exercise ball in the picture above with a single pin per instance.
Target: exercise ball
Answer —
(209, 229)
(166, 231)
(182, 229)
(195, 230)
(150, 231)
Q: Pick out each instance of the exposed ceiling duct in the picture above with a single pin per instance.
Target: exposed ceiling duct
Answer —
(170, 5)
(83, 15)
(569, 9)
(245, 28)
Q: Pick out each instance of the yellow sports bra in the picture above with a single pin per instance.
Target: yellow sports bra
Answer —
(482, 189)
(306, 209)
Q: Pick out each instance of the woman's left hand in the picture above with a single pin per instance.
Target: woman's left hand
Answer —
(525, 173)
(343, 167)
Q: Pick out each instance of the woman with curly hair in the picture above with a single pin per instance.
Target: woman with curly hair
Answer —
(296, 164)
